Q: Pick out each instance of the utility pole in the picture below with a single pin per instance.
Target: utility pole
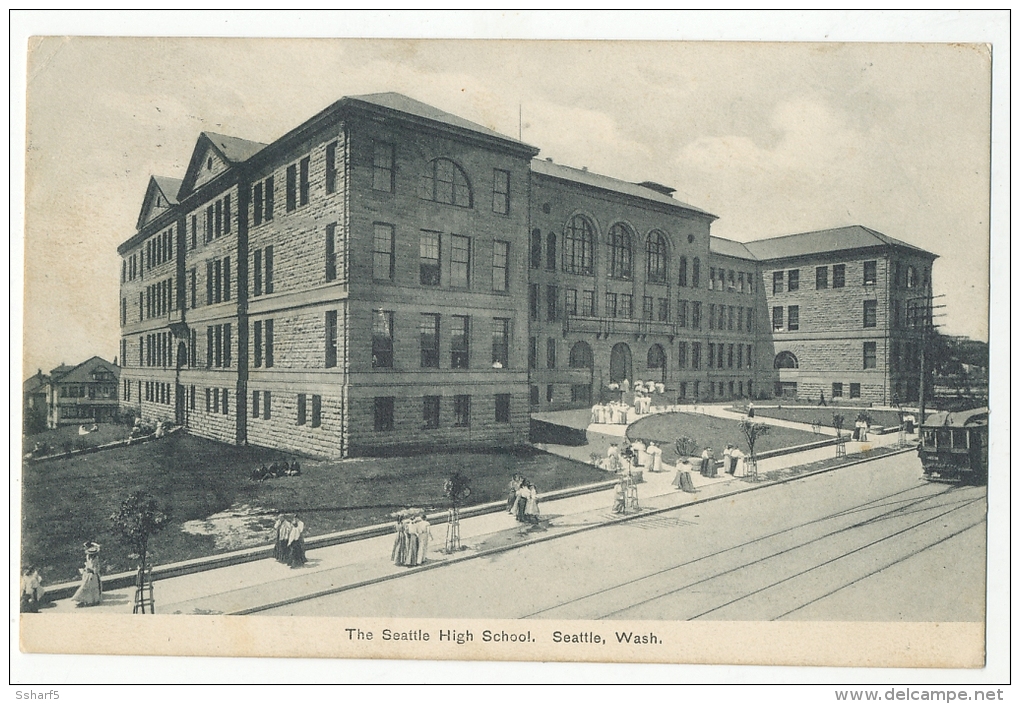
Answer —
(925, 310)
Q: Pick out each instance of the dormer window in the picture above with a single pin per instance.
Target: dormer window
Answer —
(208, 164)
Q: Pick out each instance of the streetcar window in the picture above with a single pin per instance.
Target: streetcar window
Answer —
(943, 439)
(960, 438)
(928, 439)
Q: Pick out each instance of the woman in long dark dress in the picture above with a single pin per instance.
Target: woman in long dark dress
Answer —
(296, 543)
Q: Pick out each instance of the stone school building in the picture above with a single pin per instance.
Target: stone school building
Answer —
(390, 277)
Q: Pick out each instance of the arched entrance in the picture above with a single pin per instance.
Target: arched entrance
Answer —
(620, 363)
(657, 362)
(581, 357)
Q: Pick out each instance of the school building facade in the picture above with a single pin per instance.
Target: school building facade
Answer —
(388, 277)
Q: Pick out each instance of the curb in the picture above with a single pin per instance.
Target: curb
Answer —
(541, 539)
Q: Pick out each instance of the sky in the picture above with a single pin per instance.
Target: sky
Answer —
(772, 138)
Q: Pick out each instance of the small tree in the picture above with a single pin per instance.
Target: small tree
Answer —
(837, 425)
(456, 490)
(752, 431)
(137, 520)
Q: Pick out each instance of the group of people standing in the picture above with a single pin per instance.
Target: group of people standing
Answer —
(732, 463)
(290, 540)
(522, 500)
(612, 413)
(413, 536)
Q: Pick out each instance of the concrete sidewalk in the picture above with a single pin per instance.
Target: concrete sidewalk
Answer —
(253, 586)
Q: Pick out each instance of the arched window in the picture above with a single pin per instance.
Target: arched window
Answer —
(621, 251)
(657, 360)
(655, 257)
(445, 182)
(696, 273)
(682, 266)
(785, 360)
(581, 356)
(579, 246)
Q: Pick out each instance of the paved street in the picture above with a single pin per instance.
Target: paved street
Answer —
(869, 542)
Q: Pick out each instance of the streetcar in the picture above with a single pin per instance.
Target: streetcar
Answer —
(954, 446)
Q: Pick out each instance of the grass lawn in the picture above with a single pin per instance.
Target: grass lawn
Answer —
(216, 508)
(807, 414)
(56, 437)
(709, 431)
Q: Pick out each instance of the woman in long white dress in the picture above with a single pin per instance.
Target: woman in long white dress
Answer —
(531, 512)
(422, 529)
(90, 592)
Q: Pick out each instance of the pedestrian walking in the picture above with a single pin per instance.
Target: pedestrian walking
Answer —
(90, 592)
(296, 543)
(282, 527)
(531, 512)
(750, 409)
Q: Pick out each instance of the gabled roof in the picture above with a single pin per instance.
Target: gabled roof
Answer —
(61, 370)
(544, 167)
(819, 241)
(35, 383)
(162, 186)
(729, 248)
(232, 150)
(82, 374)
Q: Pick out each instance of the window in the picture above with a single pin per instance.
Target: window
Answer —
(461, 411)
(535, 260)
(123, 314)
(720, 349)
(269, 342)
(578, 247)
(533, 353)
(681, 313)
(502, 408)
(459, 341)
(534, 291)
(837, 388)
(870, 314)
(663, 308)
(257, 273)
(682, 268)
(443, 181)
(552, 302)
(383, 413)
(611, 305)
(302, 409)
(533, 395)
(331, 252)
(740, 281)
(588, 303)
(267, 405)
(218, 228)
(696, 315)
(430, 412)
(655, 258)
(821, 277)
(620, 251)
(331, 338)
(382, 252)
(331, 167)
(549, 393)
(500, 343)
(550, 251)
(740, 359)
(855, 390)
(793, 318)
(428, 249)
(838, 275)
(460, 261)
(647, 307)
(500, 265)
(870, 355)
(257, 342)
(695, 355)
(711, 279)
(550, 353)
(194, 239)
(626, 305)
(303, 183)
(316, 411)
(681, 356)
(793, 280)
(729, 317)
(192, 284)
(695, 272)
(291, 187)
(500, 191)
(428, 330)
(777, 318)
(777, 282)
(749, 358)
(895, 304)
(740, 318)
(268, 280)
(570, 308)
(382, 167)
(871, 274)
(382, 339)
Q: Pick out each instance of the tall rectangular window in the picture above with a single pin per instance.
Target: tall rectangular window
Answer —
(331, 337)
(459, 341)
(501, 342)
(793, 280)
(663, 308)
(777, 282)
(611, 304)
(316, 411)
(255, 413)
(194, 235)
(428, 334)
(462, 411)
(533, 353)
(777, 318)
(681, 356)
(502, 408)
(647, 307)
(793, 318)
(871, 273)
(626, 305)
(382, 167)
(855, 390)
(588, 304)
(218, 229)
(552, 303)
(571, 304)
(256, 204)
(695, 355)
(291, 187)
(460, 261)
(331, 252)
(383, 413)
(257, 343)
(550, 251)
(729, 317)
(681, 313)
(500, 265)
(550, 353)
(382, 252)
(303, 185)
(711, 316)
(711, 355)
(256, 271)
(269, 343)
(208, 224)
(837, 388)
(534, 291)
(838, 275)
(428, 254)
(696, 315)
(821, 277)
(267, 405)
(382, 339)
(331, 167)
(870, 314)
(535, 256)
(500, 191)
(870, 355)
(430, 412)
(268, 279)
(302, 409)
